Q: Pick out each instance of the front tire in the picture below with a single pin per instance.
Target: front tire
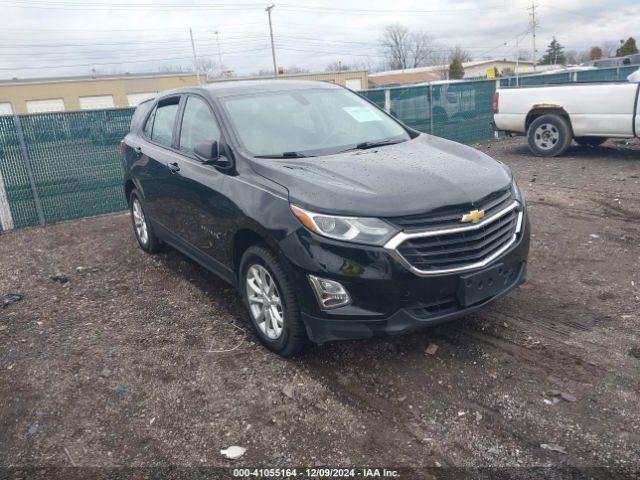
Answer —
(270, 298)
(549, 136)
(590, 141)
(141, 227)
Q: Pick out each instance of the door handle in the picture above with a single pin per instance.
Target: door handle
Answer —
(173, 167)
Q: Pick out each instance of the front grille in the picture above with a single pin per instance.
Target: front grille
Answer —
(450, 216)
(465, 246)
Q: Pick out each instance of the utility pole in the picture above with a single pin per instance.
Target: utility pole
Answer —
(195, 58)
(534, 24)
(517, 58)
(219, 54)
(273, 49)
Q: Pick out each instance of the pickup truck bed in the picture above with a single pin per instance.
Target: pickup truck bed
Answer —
(552, 116)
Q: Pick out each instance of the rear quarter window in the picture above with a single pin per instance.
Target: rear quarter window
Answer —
(139, 115)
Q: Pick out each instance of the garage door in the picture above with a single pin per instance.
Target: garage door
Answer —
(135, 99)
(52, 105)
(5, 108)
(96, 103)
(354, 84)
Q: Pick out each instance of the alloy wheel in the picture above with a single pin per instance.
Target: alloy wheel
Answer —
(140, 222)
(264, 301)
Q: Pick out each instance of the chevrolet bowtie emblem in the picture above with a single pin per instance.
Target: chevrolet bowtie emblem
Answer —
(474, 216)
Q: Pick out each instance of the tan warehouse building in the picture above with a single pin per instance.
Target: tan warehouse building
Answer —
(353, 79)
(85, 93)
(119, 91)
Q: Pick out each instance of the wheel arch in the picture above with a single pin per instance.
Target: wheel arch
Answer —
(248, 236)
(128, 188)
(539, 110)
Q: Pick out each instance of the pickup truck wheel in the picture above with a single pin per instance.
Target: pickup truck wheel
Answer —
(270, 298)
(549, 136)
(590, 141)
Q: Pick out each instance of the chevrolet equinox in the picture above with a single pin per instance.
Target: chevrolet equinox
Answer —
(332, 219)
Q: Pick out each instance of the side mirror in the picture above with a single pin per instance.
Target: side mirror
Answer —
(207, 151)
(209, 154)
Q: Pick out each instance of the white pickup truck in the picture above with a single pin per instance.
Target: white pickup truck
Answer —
(553, 116)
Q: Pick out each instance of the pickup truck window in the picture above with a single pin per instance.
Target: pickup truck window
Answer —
(310, 122)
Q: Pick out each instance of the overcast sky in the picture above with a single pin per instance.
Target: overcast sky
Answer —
(71, 37)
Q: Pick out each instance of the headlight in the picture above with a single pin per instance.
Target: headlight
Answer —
(372, 231)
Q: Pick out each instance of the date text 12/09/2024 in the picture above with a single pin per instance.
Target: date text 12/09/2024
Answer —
(320, 472)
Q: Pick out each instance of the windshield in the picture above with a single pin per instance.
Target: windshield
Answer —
(308, 122)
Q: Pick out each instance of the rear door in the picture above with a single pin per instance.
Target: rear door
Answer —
(153, 169)
(201, 212)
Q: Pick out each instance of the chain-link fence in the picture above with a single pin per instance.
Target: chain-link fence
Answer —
(58, 166)
(460, 111)
(616, 74)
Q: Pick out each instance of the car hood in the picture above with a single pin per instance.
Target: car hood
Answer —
(417, 176)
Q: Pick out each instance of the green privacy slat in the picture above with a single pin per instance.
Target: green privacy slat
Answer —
(411, 106)
(76, 164)
(375, 96)
(615, 74)
(76, 160)
(458, 111)
(14, 174)
(468, 111)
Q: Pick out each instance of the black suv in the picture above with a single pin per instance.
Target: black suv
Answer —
(333, 219)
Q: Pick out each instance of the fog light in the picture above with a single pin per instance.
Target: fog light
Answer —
(330, 294)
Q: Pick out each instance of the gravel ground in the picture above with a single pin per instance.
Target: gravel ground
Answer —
(142, 360)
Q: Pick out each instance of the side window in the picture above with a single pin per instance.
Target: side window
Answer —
(138, 115)
(164, 118)
(198, 125)
(148, 127)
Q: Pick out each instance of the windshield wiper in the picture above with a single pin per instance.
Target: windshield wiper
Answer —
(284, 155)
(376, 143)
(372, 144)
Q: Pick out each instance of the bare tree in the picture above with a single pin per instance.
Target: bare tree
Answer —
(524, 55)
(406, 49)
(295, 69)
(422, 49)
(175, 69)
(572, 57)
(460, 54)
(441, 62)
(337, 66)
(395, 42)
(609, 48)
(595, 53)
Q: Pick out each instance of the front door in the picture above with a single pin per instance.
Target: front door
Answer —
(201, 212)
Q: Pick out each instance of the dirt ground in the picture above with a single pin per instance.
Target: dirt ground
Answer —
(142, 360)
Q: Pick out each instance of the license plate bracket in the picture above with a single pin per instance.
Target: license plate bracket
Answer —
(476, 287)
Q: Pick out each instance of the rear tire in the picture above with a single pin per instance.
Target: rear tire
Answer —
(549, 136)
(590, 141)
(142, 228)
(263, 281)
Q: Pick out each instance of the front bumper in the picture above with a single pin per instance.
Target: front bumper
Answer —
(321, 330)
(387, 298)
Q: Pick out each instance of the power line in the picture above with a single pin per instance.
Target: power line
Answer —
(93, 7)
